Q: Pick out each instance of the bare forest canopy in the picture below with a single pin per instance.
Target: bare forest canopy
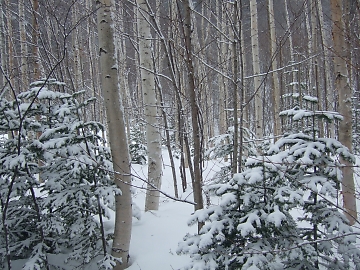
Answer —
(59, 39)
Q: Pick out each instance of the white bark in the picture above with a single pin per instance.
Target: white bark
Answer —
(153, 137)
(345, 94)
(116, 130)
(256, 70)
(310, 48)
(328, 83)
(291, 46)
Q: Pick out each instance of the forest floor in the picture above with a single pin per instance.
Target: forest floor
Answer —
(155, 236)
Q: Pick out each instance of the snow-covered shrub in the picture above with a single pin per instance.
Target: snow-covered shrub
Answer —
(137, 147)
(222, 146)
(55, 178)
(281, 212)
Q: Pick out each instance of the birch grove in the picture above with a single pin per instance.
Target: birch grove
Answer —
(226, 83)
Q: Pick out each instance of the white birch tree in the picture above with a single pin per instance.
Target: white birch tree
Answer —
(256, 70)
(153, 137)
(117, 131)
(345, 108)
(291, 45)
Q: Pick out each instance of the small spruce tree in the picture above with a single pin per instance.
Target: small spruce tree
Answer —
(281, 212)
(137, 146)
(222, 147)
(55, 179)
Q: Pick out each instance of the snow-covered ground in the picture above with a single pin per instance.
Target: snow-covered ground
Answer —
(156, 235)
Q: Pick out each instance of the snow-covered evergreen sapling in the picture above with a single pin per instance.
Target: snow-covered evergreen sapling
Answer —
(222, 147)
(137, 146)
(281, 212)
(21, 235)
(71, 201)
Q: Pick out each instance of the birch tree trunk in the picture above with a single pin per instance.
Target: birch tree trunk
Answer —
(116, 129)
(309, 76)
(222, 53)
(153, 138)
(256, 70)
(291, 47)
(345, 94)
(328, 92)
(274, 66)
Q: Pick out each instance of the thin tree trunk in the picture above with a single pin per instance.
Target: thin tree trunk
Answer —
(35, 41)
(76, 51)
(23, 45)
(153, 138)
(314, 45)
(235, 86)
(291, 47)
(122, 53)
(241, 86)
(168, 141)
(10, 49)
(117, 132)
(345, 94)
(195, 114)
(310, 37)
(274, 65)
(256, 70)
(93, 69)
(328, 84)
(2, 45)
(182, 137)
